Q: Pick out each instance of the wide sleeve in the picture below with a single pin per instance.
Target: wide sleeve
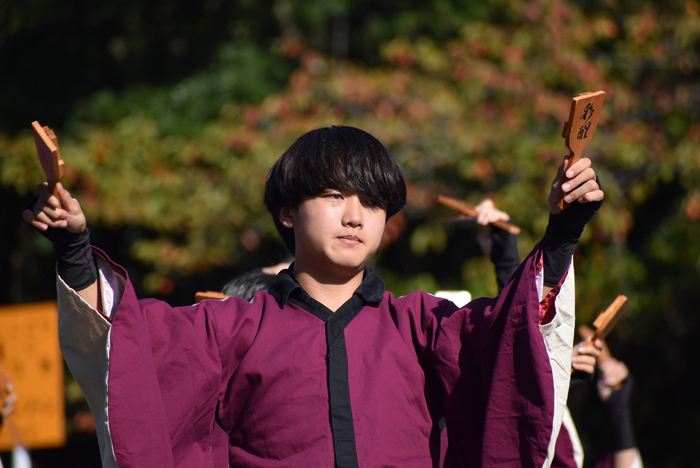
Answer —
(152, 373)
(83, 334)
(504, 364)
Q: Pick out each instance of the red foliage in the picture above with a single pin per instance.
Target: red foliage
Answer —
(483, 168)
(692, 209)
(252, 116)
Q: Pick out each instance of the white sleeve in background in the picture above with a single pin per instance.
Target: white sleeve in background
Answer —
(83, 334)
(559, 338)
(20, 458)
(637, 463)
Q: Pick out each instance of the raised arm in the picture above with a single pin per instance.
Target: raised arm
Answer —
(581, 189)
(64, 224)
(615, 389)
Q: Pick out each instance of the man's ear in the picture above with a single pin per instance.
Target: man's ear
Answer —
(286, 217)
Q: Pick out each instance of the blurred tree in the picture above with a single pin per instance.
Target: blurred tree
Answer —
(57, 52)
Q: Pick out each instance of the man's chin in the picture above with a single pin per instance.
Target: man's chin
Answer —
(350, 266)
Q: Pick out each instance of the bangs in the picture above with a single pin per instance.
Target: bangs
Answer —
(343, 158)
(346, 159)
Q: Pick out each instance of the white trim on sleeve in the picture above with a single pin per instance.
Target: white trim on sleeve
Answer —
(558, 338)
(84, 337)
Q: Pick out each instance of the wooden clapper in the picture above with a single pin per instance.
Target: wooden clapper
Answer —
(579, 130)
(608, 319)
(603, 324)
(201, 295)
(469, 210)
(49, 156)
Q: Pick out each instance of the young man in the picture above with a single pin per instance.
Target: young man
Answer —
(326, 369)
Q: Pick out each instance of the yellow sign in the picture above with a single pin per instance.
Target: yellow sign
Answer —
(30, 355)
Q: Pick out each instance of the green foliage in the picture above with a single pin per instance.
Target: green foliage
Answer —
(478, 114)
(243, 73)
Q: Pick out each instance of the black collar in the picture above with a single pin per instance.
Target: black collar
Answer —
(369, 294)
(286, 287)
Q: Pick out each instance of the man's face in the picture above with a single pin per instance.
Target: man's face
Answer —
(336, 232)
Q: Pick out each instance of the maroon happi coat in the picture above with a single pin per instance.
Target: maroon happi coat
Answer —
(296, 385)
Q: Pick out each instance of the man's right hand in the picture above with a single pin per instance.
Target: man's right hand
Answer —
(48, 212)
(63, 223)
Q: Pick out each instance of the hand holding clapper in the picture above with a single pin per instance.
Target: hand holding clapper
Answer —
(579, 130)
(603, 324)
(469, 210)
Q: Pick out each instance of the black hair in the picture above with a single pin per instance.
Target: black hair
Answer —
(337, 157)
(247, 284)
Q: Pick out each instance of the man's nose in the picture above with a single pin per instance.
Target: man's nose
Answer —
(352, 216)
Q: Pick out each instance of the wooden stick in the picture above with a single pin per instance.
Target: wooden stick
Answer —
(49, 156)
(469, 210)
(201, 295)
(603, 324)
(579, 130)
(608, 319)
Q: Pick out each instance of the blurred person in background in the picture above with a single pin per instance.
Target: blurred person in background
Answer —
(7, 399)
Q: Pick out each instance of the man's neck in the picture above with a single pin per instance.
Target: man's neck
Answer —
(331, 292)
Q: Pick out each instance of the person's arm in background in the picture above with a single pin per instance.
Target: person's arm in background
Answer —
(8, 397)
(500, 245)
(615, 390)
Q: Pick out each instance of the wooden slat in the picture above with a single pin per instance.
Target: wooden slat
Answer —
(603, 324)
(201, 295)
(469, 210)
(608, 319)
(579, 130)
(49, 155)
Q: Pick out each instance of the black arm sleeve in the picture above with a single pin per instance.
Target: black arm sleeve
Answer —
(561, 238)
(504, 254)
(580, 378)
(617, 408)
(74, 261)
